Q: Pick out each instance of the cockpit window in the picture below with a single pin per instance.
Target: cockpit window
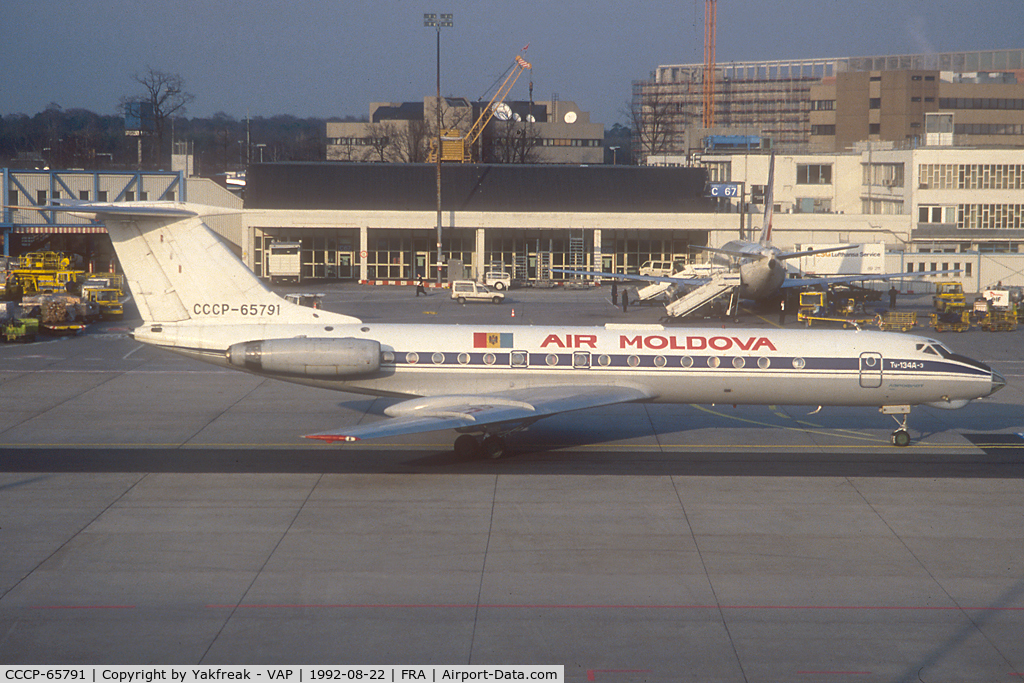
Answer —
(927, 348)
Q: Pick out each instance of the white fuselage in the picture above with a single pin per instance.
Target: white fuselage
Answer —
(673, 365)
(761, 274)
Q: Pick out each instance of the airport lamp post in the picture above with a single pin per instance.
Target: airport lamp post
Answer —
(432, 20)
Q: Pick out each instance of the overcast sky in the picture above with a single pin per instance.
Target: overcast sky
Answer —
(333, 57)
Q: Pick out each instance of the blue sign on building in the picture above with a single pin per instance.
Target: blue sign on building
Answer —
(723, 190)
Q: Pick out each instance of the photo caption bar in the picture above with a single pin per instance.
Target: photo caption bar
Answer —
(461, 673)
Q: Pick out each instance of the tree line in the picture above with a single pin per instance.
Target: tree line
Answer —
(78, 138)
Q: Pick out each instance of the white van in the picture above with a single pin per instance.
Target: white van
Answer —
(659, 268)
(499, 279)
(468, 290)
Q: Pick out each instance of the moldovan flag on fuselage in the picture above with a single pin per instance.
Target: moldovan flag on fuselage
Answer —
(492, 340)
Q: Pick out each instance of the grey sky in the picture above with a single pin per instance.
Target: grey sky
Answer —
(332, 58)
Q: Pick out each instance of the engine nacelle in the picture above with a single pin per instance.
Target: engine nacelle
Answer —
(308, 357)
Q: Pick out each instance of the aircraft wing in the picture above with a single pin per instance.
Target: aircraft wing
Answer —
(688, 281)
(790, 282)
(474, 412)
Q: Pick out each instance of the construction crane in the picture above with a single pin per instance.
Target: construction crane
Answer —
(710, 29)
(458, 147)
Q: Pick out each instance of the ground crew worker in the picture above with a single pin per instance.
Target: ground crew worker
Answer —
(892, 297)
(420, 289)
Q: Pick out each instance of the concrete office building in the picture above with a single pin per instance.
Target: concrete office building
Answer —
(806, 105)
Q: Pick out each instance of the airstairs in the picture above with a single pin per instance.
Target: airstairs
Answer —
(719, 285)
(652, 290)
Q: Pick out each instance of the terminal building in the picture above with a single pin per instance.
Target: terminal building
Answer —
(934, 208)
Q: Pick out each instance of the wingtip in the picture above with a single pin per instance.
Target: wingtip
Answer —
(332, 438)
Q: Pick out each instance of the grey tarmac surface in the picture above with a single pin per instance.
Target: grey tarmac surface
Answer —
(158, 510)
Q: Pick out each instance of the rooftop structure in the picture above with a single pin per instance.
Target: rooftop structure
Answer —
(548, 132)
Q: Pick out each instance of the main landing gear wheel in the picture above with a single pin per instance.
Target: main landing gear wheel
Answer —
(901, 438)
(470, 446)
(467, 446)
(494, 447)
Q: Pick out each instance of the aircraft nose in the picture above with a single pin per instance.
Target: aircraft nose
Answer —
(997, 382)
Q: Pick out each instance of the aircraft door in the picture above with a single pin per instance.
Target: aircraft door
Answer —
(581, 360)
(870, 370)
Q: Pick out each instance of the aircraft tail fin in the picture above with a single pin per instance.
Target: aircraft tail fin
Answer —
(769, 204)
(178, 269)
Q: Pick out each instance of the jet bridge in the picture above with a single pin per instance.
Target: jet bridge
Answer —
(719, 285)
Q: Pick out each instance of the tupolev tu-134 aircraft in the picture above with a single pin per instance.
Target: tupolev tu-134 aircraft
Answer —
(196, 298)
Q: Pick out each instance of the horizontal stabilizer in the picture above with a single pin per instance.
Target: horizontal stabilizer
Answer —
(797, 254)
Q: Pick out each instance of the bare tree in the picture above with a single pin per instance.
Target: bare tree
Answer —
(412, 142)
(651, 118)
(382, 141)
(513, 142)
(166, 94)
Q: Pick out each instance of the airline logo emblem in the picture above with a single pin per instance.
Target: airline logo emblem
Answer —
(492, 340)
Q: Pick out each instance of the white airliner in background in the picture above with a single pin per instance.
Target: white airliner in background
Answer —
(761, 265)
(198, 299)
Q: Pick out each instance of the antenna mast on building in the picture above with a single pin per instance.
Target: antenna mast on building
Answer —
(710, 29)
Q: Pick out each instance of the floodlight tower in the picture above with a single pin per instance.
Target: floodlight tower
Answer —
(432, 20)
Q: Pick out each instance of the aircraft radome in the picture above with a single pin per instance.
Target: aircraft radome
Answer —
(198, 299)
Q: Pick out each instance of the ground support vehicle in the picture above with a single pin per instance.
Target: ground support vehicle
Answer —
(17, 326)
(106, 281)
(468, 290)
(107, 299)
(897, 320)
(45, 271)
(949, 296)
(499, 279)
(21, 330)
(951, 321)
(999, 321)
(284, 262)
(814, 309)
(308, 299)
(60, 314)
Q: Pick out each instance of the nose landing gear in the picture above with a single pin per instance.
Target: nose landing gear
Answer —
(900, 437)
